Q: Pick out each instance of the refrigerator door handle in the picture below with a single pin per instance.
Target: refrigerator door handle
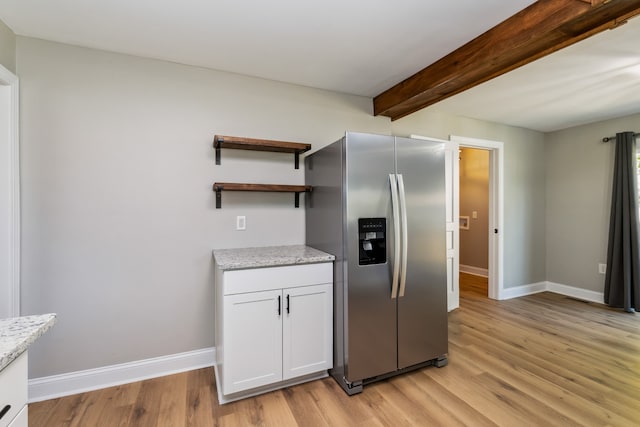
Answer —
(405, 236)
(396, 234)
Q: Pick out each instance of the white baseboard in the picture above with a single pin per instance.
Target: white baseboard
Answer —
(93, 379)
(570, 291)
(577, 293)
(520, 291)
(476, 271)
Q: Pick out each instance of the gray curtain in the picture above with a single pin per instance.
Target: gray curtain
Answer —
(622, 282)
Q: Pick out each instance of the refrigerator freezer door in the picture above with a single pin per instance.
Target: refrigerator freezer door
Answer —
(370, 312)
(422, 311)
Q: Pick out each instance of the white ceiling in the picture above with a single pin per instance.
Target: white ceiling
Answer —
(353, 46)
(593, 80)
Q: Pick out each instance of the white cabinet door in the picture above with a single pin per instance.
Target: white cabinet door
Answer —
(307, 330)
(253, 340)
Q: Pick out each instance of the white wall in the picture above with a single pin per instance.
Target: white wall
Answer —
(118, 214)
(7, 47)
(119, 219)
(578, 193)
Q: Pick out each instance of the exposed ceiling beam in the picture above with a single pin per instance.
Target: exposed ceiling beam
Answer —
(542, 28)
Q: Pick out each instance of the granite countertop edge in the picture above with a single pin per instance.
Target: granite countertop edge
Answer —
(18, 333)
(269, 256)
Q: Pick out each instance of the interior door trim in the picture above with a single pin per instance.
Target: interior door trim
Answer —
(12, 163)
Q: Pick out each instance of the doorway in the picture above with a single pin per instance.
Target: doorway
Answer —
(495, 213)
(494, 227)
(9, 196)
(474, 220)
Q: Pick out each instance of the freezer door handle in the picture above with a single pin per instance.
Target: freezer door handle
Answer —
(405, 236)
(396, 234)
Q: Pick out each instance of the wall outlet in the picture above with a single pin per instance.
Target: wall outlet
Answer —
(602, 268)
(241, 222)
(474, 215)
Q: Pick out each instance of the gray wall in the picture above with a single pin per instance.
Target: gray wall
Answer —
(578, 193)
(7, 48)
(118, 215)
(474, 196)
(524, 185)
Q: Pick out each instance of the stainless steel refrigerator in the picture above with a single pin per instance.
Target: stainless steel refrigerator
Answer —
(378, 205)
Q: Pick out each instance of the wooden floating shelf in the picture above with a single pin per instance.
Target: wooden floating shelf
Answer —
(241, 143)
(219, 187)
(234, 186)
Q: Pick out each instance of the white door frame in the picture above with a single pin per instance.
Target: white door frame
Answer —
(496, 208)
(452, 191)
(10, 194)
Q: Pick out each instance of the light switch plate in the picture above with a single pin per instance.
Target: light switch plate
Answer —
(602, 268)
(241, 222)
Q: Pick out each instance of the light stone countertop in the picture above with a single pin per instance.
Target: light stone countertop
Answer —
(269, 256)
(18, 333)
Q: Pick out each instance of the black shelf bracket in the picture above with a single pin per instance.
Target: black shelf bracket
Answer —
(296, 160)
(218, 197)
(218, 145)
(296, 200)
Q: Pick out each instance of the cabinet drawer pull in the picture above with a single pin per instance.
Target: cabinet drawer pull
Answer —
(4, 411)
(279, 306)
(288, 304)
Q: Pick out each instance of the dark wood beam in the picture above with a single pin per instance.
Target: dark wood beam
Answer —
(542, 28)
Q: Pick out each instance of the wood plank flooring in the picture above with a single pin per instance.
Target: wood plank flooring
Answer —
(540, 360)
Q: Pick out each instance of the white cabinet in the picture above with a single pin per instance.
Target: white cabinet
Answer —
(13, 393)
(273, 327)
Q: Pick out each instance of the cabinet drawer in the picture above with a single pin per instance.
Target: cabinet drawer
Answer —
(13, 389)
(270, 278)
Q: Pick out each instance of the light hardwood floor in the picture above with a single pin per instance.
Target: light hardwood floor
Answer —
(540, 360)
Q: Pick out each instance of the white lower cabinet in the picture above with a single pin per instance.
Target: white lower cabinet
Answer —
(13, 393)
(273, 328)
